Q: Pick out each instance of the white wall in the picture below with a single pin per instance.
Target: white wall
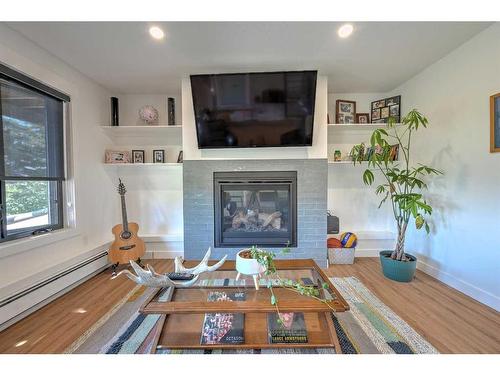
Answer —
(316, 151)
(153, 198)
(96, 203)
(129, 105)
(464, 248)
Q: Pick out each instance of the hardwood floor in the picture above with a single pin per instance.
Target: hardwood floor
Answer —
(448, 319)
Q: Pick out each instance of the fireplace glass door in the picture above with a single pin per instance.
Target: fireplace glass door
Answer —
(255, 208)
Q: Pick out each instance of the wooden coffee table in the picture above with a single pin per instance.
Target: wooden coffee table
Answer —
(183, 309)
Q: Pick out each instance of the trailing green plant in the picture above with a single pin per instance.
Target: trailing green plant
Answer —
(266, 259)
(403, 183)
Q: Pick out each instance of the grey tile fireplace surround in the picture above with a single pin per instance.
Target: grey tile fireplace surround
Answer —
(198, 193)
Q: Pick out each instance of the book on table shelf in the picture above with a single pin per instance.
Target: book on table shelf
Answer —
(223, 328)
(291, 329)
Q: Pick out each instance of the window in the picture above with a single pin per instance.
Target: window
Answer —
(31, 156)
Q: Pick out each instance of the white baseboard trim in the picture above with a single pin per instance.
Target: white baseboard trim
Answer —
(366, 253)
(162, 254)
(164, 246)
(472, 291)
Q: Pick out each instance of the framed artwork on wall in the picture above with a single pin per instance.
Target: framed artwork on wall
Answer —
(345, 112)
(362, 118)
(495, 123)
(381, 110)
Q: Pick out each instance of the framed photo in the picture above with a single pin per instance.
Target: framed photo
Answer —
(345, 112)
(180, 158)
(495, 123)
(362, 118)
(158, 156)
(394, 110)
(385, 108)
(393, 100)
(117, 157)
(137, 156)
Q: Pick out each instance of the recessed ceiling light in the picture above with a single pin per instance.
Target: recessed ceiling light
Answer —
(156, 32)
(345, 30)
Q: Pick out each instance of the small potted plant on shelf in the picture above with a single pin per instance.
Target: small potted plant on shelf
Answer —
(402, 185)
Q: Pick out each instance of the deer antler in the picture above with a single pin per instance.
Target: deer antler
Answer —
(151, 278)
(201, 267)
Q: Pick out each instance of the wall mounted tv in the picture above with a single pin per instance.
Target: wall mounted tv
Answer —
(274, 109)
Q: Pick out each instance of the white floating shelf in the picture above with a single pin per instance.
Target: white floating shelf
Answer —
(347, 162)
(129, 127)
(358, 126)
(144, 165)
(143, 130)
(369, 234)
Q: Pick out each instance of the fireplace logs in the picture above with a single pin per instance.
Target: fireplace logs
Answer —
(253, 220)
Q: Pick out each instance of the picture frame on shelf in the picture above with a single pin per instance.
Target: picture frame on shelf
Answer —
(116, 157)
(337, 156)
(382, 109)
(345, 111)
(378, 104)
(159, 156)
(180, 158)
(495, 123)
(138, 156)
(362, 118)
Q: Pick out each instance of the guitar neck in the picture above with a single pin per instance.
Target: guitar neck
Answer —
(124, 214)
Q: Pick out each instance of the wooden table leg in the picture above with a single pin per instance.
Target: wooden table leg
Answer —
(159, 330)
(333, 333)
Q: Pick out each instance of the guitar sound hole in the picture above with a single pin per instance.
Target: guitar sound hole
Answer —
(126, 235)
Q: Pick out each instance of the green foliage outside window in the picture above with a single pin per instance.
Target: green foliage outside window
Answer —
(26, 196)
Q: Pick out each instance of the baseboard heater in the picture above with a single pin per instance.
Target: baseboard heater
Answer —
(51, 279)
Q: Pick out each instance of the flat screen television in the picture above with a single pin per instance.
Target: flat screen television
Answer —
(274, 109)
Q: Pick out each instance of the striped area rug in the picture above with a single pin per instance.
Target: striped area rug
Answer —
(369, 327)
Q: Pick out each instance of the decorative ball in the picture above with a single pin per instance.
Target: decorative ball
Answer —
(333, 243)
(348, 239)
(148, 114)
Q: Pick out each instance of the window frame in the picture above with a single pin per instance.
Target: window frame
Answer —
(58, 196)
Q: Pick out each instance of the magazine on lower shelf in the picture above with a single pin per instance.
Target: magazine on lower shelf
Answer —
(223, 328)
(286, 328)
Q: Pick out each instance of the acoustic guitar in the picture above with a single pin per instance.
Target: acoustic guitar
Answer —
(127, 244)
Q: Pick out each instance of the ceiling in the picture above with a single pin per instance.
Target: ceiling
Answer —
(122, 57)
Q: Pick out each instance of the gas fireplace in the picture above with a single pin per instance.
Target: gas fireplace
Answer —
(255, 208)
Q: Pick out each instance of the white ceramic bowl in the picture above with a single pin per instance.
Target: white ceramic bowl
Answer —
(248, 266)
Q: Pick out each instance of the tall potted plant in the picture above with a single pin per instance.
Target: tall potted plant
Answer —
(402, 185)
